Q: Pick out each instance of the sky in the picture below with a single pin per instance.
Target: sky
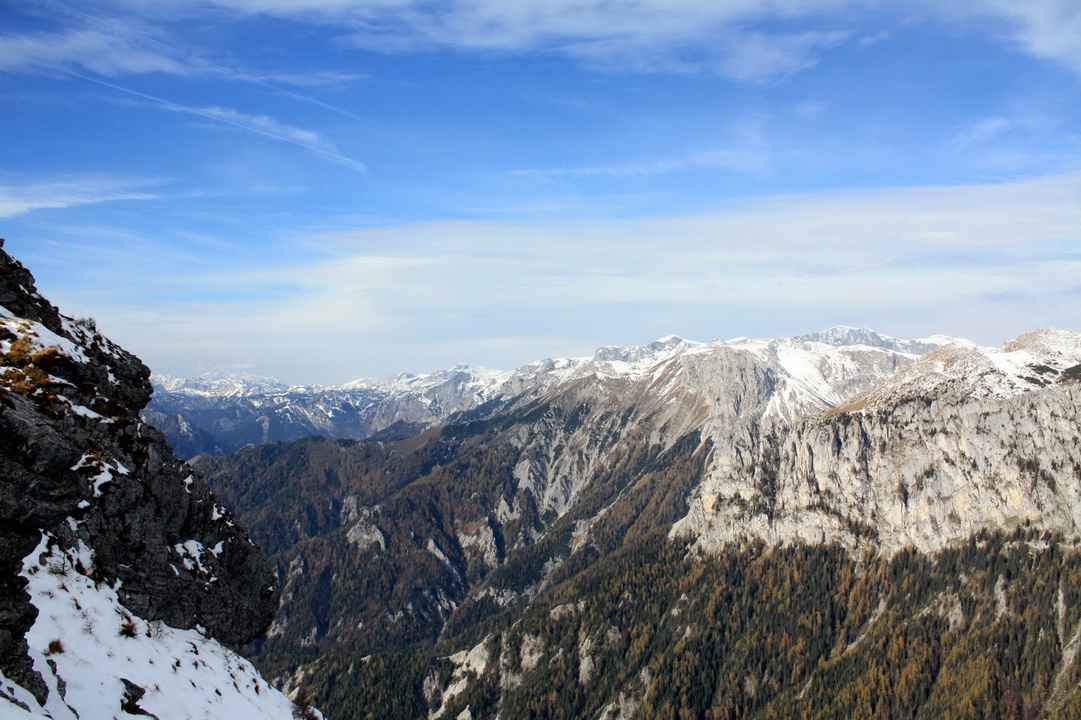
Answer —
(321, 190)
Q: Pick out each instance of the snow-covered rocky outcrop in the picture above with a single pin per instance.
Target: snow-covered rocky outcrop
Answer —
(961, 439)
(122, 579)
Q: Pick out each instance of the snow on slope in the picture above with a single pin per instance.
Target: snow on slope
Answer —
(845, 335)
(962, 438)
(100, 662)
(224, 385)
(811, 376)
(963, 369)
(626, 361)
(482, 384)
(222, 413)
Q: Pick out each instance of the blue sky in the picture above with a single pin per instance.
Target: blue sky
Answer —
(326, 189)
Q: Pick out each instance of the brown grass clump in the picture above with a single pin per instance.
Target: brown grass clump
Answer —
(27, 372)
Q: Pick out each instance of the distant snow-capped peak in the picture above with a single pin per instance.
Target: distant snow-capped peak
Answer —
(844, 335)
(653, 352)
(462, 374)
(482, 383)
(221, 384)
(1028, 362)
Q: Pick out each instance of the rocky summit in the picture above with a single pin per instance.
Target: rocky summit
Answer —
(122, 578)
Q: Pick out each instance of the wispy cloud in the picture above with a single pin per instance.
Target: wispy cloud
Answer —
(71, 191)
(113, 47)
(918, 260)
(726, 37)
(87, 50)
(748, 160)
(262, 125)
(639, 35)
(984, 131)
(259, 124)
(729, 37)
(759, 56)
(314, 78)
(732, 38)
(746, 151)
(1047, 29)
(650, 36)
(269, 127)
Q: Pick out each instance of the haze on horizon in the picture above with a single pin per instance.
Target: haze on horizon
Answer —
(319, 190)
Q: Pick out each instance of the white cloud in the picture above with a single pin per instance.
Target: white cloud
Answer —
(140, 44)
(265, 125)
(746, 159)
(69, 192)
(259, 124)
(912, 235)
(728, 37)
(313, 78)
(984, 131)
(268, 126)
(638, 36)
(809, 109)
(88, 50)
(757, 56)
(986, 262)
(746, 151)
(723, 36)
(1048, 29)
(665, 35)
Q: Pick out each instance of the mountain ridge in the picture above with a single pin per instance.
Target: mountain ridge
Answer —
(222, 413)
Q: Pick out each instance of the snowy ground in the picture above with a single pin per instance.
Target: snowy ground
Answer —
(86, 645)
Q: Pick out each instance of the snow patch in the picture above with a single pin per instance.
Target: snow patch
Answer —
(86, 645)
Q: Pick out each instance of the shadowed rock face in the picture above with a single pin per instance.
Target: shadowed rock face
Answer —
(79, 466)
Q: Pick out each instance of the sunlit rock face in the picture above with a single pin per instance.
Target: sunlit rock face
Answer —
(962, 439)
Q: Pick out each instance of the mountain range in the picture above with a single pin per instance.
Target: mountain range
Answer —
(838, 525)
(221, 413)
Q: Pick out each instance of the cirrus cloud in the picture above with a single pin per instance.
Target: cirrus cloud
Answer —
(89, 50)
(729, 37)
(17, 199)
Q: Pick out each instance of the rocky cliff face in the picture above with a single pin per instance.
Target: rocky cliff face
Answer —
(966, 438)
(83, 478)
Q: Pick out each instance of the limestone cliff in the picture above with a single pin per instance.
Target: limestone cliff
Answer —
(963, 439)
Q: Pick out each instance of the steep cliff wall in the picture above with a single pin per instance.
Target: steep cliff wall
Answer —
(85, 482)
(964, 439)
